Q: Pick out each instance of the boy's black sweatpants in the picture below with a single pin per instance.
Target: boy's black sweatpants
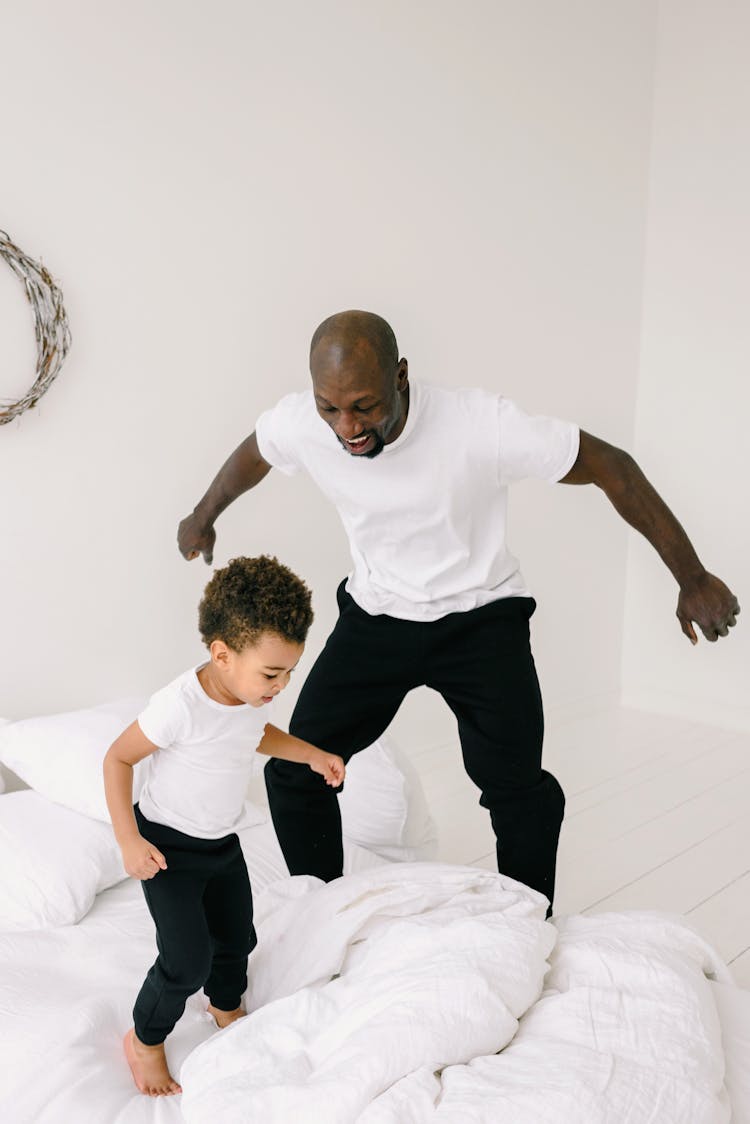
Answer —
(202, 907)
(480, 662)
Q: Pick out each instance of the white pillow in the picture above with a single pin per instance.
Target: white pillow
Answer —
(53, 861)
(61, 755)
(383, 806)
(265, 862)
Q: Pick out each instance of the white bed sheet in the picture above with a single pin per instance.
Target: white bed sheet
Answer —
(66, 997)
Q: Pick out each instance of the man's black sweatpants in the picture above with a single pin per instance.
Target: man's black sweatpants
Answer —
(202, 907)
(480, 662)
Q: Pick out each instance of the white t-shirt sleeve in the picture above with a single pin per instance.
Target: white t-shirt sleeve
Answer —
(540, 447)
(166, 719)
(276, 432)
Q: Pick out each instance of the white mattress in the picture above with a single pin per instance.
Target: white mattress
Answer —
(66, 997)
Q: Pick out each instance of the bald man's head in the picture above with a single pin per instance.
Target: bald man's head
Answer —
(352, 331)
(360, 385)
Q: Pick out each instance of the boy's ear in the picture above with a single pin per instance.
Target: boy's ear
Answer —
(219, 653)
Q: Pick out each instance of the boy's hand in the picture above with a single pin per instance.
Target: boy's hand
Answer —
(330, 767)
(142, 859)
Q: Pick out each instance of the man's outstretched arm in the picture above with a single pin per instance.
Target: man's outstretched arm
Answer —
(703, 597)
(243, 470)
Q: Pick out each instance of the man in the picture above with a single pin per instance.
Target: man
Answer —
(419, 476)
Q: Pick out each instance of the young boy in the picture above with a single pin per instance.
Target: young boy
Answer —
(180, 839)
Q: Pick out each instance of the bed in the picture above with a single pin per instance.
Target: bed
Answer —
(408, 991)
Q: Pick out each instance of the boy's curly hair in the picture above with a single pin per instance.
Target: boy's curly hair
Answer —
(251, 596)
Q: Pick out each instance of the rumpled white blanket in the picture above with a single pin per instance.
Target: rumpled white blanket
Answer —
(387, 998)
(626, 1032)
(366, 980)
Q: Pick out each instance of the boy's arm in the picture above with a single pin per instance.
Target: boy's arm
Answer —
(141, 858)
(276, 743)
(243, 470)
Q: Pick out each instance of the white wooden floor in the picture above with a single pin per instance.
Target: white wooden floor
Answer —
(657, 817)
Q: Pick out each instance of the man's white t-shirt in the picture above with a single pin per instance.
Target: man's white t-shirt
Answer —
(426, 518)
(197, 779)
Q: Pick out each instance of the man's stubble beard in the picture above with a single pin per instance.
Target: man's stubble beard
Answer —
(379, 446)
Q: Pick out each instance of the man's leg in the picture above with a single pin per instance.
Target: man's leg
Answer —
(349, 698)
(484, 669)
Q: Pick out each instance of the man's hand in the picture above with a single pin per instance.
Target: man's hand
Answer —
(330, 767)
(708, 602)
(195, 536)
(703, 598)
(141, 859)
(244, 469)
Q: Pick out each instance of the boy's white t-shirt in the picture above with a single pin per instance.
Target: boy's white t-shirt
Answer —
(426, 518)
(197, 779)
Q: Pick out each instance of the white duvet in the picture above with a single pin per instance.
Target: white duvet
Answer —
(385, 998)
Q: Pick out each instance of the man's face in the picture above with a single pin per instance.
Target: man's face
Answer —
(364, 403)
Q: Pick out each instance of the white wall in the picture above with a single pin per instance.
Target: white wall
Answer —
(694, 393)
(208, 182)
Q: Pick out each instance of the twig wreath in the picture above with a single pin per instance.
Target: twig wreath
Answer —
(50, 326)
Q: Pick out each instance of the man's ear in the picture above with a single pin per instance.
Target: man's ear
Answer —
(402, 374)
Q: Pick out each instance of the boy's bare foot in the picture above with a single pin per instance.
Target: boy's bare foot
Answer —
(224, 1018)
(148, 1064)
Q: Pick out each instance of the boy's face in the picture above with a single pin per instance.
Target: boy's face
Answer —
(256, 674)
